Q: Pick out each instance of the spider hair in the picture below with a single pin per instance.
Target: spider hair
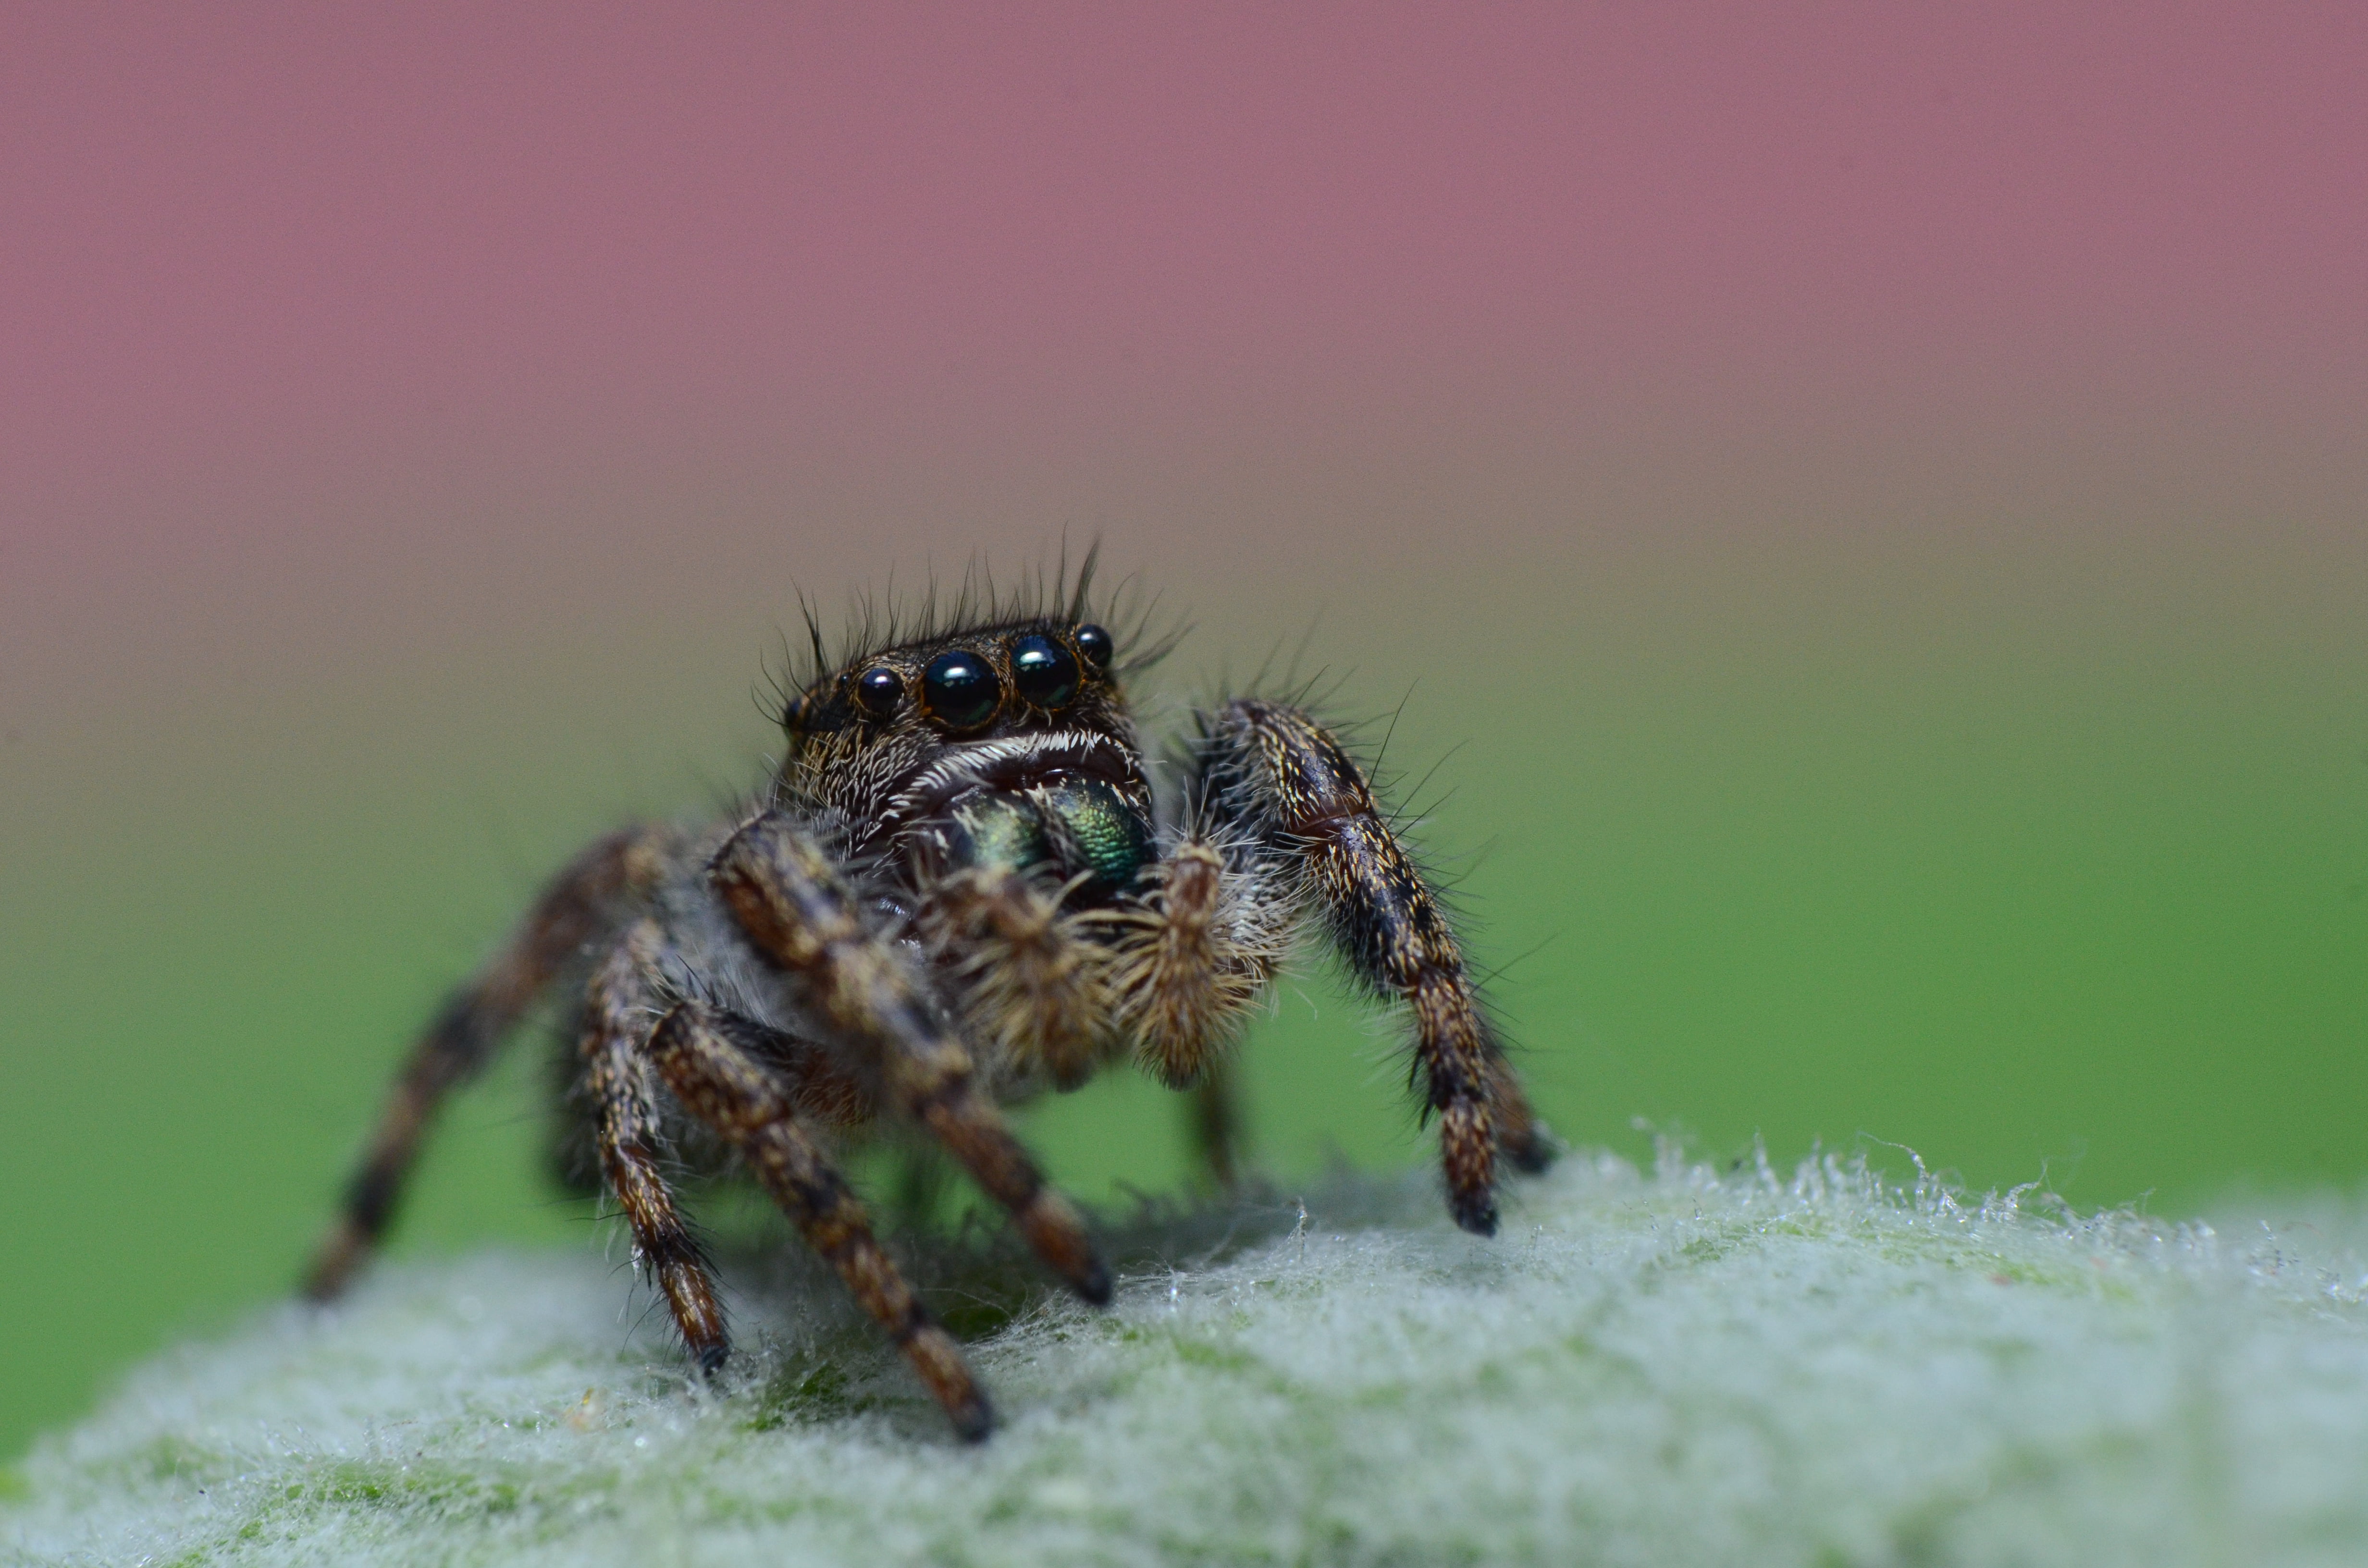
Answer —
(1141, 625)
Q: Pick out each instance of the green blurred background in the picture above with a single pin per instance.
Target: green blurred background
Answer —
(1861, 507)
(2042, 856)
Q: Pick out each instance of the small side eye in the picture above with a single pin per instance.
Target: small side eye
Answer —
(877, 691)
(961, 690)
(1043, 671)
(1096, 645)
(794, 714)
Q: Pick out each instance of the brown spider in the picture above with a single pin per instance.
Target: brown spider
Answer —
(956, 888)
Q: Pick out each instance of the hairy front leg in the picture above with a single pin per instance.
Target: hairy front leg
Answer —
(727, 1089)
(578, 908)
(621, 1006)
(1285, 780)
(796, 910)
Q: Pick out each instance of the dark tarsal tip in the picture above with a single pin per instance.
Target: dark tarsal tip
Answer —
(1476, 1215)
(975, 1423)
(1534, 1156)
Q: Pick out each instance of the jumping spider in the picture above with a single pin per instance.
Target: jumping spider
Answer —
(957, 888)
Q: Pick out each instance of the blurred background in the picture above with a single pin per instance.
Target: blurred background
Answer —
(1861, 508)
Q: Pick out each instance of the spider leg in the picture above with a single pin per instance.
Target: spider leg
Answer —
(1034, 989)
(578, 908)
(1190, 956)
(1524, 1139)
(1216, 1125)
(1193, 954)
(726, 1088)
(1273, 771)
(796, 909)
(818, 1083)
(621, 1004)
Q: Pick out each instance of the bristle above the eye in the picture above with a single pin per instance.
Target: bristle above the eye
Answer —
(980, 606)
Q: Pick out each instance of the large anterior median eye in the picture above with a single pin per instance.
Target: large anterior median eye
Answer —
(1043, 671)
(961, 690)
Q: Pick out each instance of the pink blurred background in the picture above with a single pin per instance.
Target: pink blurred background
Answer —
(261, 258)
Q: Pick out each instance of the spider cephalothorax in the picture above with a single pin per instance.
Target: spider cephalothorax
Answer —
(960, 884)
(995, 745)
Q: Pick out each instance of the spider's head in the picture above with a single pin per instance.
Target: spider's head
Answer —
(999, 745)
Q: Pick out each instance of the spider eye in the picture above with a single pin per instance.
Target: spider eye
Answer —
(1096, 645)
(961, 690)
(1043, 671)
(877, 691)
(794, 714)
